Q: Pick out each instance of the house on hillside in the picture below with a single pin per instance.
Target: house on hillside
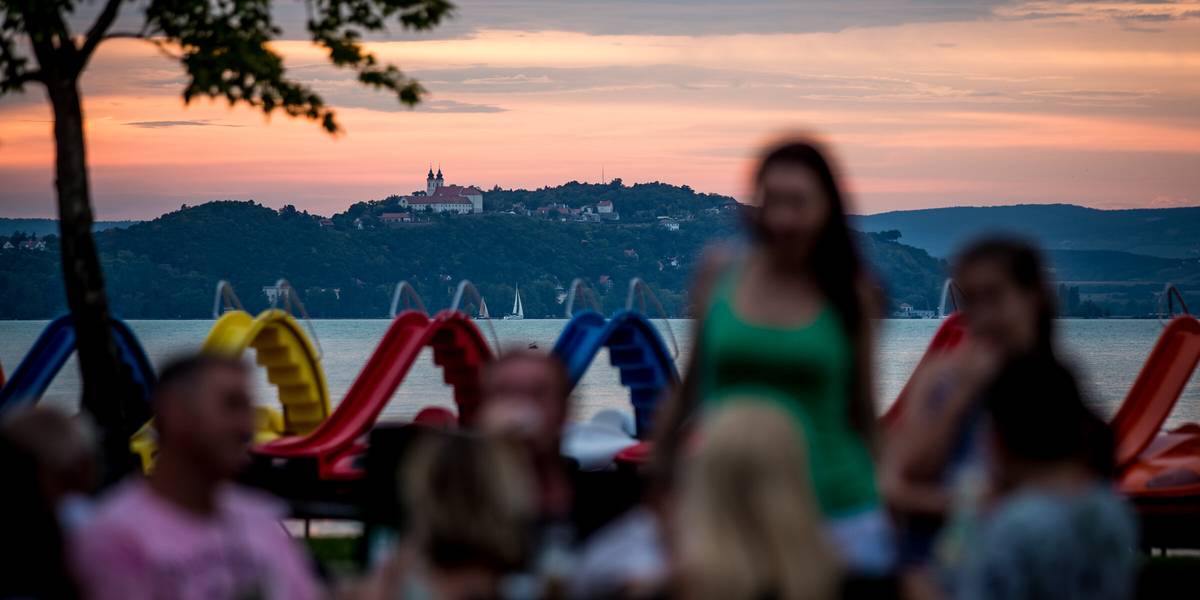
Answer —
(395, 218)
(553, 211)
(668, 223)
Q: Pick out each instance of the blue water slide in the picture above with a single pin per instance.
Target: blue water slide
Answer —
(635, 348)
(50, 352)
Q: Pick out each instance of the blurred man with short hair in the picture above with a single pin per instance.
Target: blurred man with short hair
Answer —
(187, 531)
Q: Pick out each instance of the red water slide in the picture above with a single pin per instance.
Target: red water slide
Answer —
(337, 443)
(1158, 465)
(1157, 388)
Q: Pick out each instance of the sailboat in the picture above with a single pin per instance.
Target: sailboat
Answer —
(483, 311)
(518, 309)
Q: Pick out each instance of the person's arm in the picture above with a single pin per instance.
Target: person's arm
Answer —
(681, 402)
(943, 394)
(863, 415)
(921, 442)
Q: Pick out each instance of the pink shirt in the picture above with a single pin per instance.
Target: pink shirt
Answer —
(139, 545)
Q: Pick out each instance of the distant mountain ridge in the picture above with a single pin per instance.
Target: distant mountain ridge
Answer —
(44, 227)
(1160, 232)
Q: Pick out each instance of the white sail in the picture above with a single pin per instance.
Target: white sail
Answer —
(518, 309)
(483, 311)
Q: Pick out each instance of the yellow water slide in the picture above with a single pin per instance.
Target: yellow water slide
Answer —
(293, 366)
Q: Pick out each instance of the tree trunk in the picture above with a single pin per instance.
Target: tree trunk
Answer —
(109, 392)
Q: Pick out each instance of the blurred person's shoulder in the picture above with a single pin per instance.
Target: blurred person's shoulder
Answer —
(716, 261)
(125, 501)
(119, 523)
(1094, 516)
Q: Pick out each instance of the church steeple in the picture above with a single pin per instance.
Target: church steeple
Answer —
(431, 183)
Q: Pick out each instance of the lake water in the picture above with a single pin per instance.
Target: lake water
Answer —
(1107, 354)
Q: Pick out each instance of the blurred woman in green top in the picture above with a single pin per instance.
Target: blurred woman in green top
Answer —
(787, 318)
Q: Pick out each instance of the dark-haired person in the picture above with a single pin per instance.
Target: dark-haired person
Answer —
(33, 559)
(1009, 313)
(469, 503)
(524, 402)
(66, 453)
(1056, 528)
(788, 320)
(186, 531)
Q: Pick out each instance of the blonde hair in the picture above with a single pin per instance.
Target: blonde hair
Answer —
(749, 525)
(469, 502)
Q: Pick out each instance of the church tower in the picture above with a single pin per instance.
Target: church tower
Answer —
(431, 184)
(439, 182)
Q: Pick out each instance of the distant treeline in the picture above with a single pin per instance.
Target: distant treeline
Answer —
(347, 266)
(168, 267)
(44, 227)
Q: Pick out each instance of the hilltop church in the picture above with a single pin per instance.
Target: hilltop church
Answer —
(439, 197)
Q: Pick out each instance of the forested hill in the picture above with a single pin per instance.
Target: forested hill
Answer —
(168, 267)
(1162, 232)
(637, 203)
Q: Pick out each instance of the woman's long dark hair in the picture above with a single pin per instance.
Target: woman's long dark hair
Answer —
(834, 263)
(837, 268)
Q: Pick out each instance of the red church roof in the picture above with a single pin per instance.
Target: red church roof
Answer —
(456, 191)
(436, 200)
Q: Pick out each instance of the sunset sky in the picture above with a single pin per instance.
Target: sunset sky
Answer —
(926, 104)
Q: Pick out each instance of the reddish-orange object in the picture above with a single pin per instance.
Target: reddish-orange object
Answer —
(637, 454)
(436, 417)
(1156, 465)
(338, 442)
(1157, 388)
(951, 333)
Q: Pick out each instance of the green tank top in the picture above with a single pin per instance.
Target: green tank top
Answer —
(807, 369)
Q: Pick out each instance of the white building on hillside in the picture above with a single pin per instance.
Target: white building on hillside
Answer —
(439, 197)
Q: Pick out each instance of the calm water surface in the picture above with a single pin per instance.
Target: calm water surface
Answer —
(1107, 353)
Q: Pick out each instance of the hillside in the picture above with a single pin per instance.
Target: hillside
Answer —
(43, 227)
(168, 267)
(1162, 232)
(1110, 266)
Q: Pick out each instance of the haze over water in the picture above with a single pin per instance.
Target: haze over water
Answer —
(1106, 353)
